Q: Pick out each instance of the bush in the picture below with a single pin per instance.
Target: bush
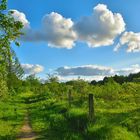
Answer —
(3, 88)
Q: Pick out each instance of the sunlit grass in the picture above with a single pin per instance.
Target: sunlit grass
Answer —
(12, 112)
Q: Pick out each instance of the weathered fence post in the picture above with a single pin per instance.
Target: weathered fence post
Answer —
(91, 107)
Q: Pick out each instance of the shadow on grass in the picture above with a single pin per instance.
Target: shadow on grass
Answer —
(7, 137)
(58, 123)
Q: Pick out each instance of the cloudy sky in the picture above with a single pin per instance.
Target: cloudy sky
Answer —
(86, 38)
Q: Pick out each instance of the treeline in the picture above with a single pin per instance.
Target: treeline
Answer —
(119, 79)
(108, 89)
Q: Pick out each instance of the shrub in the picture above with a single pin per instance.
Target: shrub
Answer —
(3, 88)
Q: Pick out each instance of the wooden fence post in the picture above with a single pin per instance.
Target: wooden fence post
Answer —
(91, 107)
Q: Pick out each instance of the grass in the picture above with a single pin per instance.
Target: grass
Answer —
(52, 118)
(116, 119)
(12, 112)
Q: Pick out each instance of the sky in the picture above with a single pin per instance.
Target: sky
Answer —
(87, 38)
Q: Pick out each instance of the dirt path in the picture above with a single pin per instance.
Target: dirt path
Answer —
(26, 132)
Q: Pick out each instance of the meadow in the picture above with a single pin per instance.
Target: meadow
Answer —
(53, 117)
(116, 115)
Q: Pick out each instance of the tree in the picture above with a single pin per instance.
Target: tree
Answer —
(52, 79)
(10, 30)
(81, 87)
(93, 82)
(15, 73)
(32, 83)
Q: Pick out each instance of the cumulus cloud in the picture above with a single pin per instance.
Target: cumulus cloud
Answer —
(19, 16)
(98, 29)
(101, 28)
(93, 72)
(32, 69)
(58, 31)
(131, 40)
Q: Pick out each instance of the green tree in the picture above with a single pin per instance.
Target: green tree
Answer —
(52, 79)
(32, 83)
(10, 30)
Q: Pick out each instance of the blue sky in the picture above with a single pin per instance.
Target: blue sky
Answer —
(81, 54)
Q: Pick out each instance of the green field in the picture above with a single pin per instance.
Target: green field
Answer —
(116, 117)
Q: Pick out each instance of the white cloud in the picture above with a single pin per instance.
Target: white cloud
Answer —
(136, 66)
(32, 69)
(19, 16)
(93, 72)
(101, 28)
(131, 40)
(86, 78)
(58, 31)
(130, 70)
(86, 70)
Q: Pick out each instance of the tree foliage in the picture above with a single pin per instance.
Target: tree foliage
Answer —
(10, 30)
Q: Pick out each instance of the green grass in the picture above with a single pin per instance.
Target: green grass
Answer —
(117, 116)
(12, 112)
(116, 119)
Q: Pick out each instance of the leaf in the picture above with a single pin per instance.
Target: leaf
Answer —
(17, 43)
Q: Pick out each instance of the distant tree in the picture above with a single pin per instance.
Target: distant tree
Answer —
(120, 79)
(15, 73)
(81, 87)
(52, 79)
(33, 80)
(93, 82)
(131, 77)
(32, 83)
(111, 89)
